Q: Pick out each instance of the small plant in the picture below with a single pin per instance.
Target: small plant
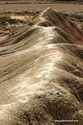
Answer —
(13, 14)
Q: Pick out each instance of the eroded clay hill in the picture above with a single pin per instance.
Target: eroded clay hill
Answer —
(41, 73)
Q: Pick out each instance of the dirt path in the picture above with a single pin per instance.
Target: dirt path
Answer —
(42, 6)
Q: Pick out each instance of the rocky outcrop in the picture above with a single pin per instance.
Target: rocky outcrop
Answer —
(41, 73)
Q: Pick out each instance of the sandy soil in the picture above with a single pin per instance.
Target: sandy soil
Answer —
(25, 18)
(42, 6)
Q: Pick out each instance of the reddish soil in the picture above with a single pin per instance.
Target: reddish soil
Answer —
(42, 6)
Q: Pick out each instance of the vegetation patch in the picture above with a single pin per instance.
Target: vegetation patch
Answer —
(4, 19)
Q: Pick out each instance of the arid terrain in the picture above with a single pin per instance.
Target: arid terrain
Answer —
(10, 19)
(41, 6)
(41, 65)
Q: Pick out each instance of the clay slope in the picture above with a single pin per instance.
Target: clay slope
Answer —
(41, 73)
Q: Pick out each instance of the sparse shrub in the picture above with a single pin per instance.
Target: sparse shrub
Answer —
(72, 19)
(6, 3)
(13, 14)
(30, 23)
(81, 20)
(4, 19)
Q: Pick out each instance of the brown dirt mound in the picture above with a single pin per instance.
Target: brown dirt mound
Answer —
(41, 73)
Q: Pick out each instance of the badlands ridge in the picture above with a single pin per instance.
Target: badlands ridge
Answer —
(41, 73)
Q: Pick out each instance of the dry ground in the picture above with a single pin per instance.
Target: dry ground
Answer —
(24, 15)
(21, 17)
(40, 2)
(42, 6)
